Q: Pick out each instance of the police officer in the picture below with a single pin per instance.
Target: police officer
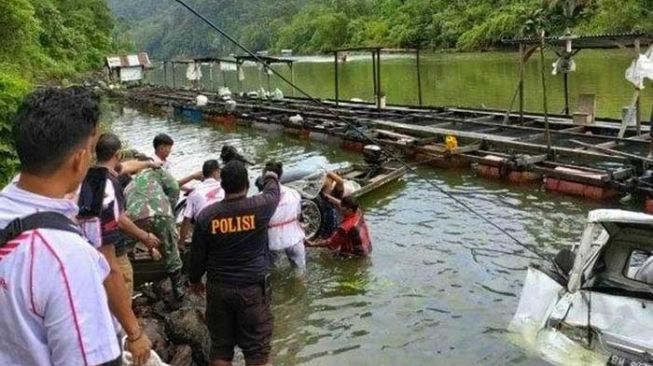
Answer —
(230, 245)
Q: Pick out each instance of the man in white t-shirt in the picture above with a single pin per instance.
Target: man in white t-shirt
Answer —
(162, 150)
(285, 233)
(53, 307)
(204, 194)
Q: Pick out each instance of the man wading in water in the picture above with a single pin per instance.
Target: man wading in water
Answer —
(285, 233)
(351, 239)
(204, 194)
(230, 245)
(102, 211)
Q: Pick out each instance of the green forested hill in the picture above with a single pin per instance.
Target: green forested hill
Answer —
(165, 29)
(42, 40)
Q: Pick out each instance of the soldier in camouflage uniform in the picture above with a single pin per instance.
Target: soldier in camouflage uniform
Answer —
(151, 197)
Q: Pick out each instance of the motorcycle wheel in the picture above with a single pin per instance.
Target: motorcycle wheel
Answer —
(311, 218)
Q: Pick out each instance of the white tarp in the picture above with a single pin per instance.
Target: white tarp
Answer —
(228, 66)
(640, 69)
(563, 65)
(131, 73)
(194, 72)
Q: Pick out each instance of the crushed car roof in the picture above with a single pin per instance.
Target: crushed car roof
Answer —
(619, 216)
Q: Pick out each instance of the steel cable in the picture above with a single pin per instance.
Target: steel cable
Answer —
(332, 112)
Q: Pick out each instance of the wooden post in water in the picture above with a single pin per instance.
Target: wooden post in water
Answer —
(238, 71)
(522, 55)
(165, 73)
(650, 132)
(378, 78)
(544, 96)
(566, 80)
(211, 87)
(267, 73)
(419, 78)
(376, 92)
(292, 79)
(174, 79)
(638, 106)
(335, 69)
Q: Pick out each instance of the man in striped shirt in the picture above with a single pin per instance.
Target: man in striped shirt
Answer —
(204, 194)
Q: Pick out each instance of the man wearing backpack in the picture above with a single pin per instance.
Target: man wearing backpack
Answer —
(53, 307)
(104, 222)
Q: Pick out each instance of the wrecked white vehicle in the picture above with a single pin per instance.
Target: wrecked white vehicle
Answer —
(598, 294)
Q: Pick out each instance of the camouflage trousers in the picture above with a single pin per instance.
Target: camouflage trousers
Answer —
(165, 229)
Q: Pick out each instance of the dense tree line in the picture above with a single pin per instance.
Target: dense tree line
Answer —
(311, 26)
(46, 40)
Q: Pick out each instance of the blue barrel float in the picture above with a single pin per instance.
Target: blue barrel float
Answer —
(189, 114)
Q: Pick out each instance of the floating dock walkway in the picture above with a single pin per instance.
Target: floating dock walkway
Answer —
(584, 160)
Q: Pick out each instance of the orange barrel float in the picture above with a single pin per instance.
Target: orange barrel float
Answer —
(495, 168)
(318, 136)
(267, 127)
(648, 205)
(585, 190)
(445, 161)
(298, 132)
(223, 119)
(354, 146)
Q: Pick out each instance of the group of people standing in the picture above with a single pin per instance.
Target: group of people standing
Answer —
(66, 279)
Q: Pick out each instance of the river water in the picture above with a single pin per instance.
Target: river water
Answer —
(441, 285)
(466, 79)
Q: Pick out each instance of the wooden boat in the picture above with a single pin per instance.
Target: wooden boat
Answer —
(388, 172)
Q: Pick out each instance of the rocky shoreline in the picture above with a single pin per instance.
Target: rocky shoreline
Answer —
(178, 332)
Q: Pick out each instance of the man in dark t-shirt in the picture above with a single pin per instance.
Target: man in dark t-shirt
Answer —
(102, 220)
(230, 245)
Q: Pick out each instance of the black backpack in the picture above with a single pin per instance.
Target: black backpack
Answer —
(39, 220)
(91, 193)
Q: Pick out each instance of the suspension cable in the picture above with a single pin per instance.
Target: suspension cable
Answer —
(358, 130)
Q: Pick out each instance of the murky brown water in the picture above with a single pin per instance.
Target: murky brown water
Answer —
(441, 285)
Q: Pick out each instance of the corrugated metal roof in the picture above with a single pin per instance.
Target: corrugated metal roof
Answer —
(124, 61)
(266, 59)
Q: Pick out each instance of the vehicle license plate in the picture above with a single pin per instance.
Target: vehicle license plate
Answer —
(624, 361)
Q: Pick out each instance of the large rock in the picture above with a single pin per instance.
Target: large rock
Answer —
(183, 356)
(187, 326)
(156, 332)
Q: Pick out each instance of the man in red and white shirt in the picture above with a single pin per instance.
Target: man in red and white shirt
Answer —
(352, 238)
(285, 233)
(204, 194)
(53, 307)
